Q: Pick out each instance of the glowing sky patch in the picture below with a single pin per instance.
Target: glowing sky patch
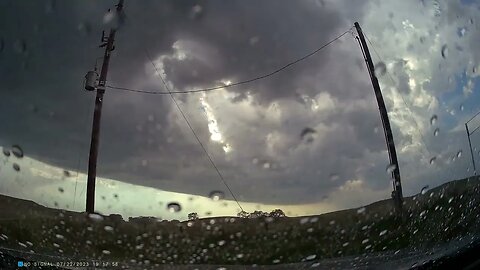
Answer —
(52, 188)
(215, 134)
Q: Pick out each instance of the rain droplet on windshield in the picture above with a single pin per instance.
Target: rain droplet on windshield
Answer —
(174, 207)
(84, 28)
(424, 190)
(20, 46)
(196, 11)
(254, 40)
(95, 217)
(60, 189)
(391, 168)
(444, 51)
(361, 210)
(432, 160)
(433, 120)
(16, 167)
(462, 107)
(108, 17)
(334, 177)
(6, 152)
(436, 131)
(307, 134)
(50, 6)
(66, 173)
(17, 151)
(459, 154)
(380, 69)
(216, 195)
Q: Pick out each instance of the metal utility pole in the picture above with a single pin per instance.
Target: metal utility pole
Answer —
(397, 194)
(107, 42)
(471, 151)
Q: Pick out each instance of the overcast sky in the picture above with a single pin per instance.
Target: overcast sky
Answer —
(253, 131)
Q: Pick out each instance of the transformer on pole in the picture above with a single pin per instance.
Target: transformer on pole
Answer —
(91, 84)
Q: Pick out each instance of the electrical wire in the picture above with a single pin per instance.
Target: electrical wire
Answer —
(193, 131)
(403, 99)
(170, 92)
(474, 130)
(235, 83)
(472, 117)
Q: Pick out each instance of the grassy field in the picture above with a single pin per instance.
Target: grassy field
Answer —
(440, 215)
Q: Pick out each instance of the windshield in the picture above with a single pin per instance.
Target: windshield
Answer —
(237, 134)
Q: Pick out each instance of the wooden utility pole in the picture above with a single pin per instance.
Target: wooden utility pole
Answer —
(397, 194)
(107, 42)
(471, 150)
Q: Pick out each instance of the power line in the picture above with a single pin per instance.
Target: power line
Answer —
(472, 117)
(169, 92)
(236, 83)
(403, 99)
(474, 130)
(193, 131)
(471, 120)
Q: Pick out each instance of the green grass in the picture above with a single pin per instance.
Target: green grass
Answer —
(439, 216)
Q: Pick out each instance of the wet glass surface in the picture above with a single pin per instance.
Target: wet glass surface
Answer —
(235, 135)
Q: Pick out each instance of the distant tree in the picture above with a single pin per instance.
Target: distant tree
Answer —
(277, 213)
(192, 216)
(243, 214)
(258, 214)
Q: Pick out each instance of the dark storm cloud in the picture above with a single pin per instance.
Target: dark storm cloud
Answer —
(48, 112)
(145, 141)
(243, 41)
(398, 70)
(41, 85)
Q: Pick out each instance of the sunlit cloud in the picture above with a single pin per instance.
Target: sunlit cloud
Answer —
(215, 134)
